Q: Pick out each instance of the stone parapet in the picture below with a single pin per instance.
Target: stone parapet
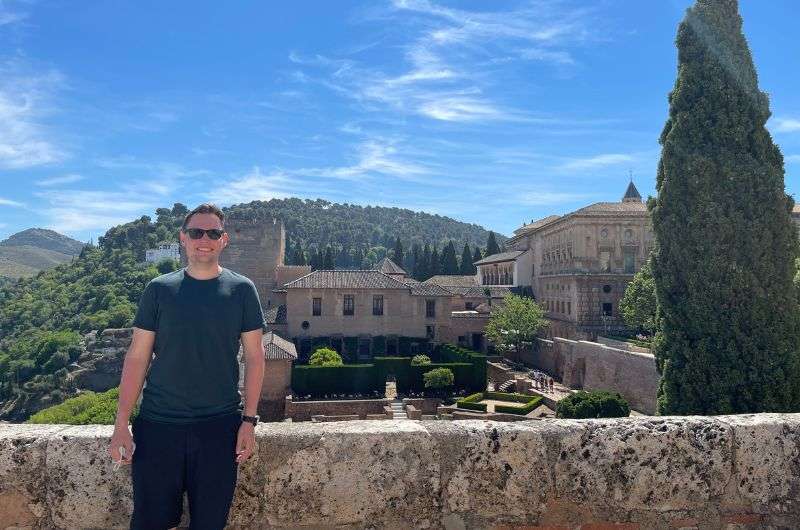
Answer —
(693, 472)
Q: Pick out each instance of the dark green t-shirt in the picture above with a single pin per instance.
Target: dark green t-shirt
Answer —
(195, 373)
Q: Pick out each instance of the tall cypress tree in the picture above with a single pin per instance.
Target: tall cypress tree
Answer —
(327, 262)
(434, 265)
(728, 325)
(476, 256)
(449, 262)
(423, 268)
(397, 256)
(491, 245)
(466, 268)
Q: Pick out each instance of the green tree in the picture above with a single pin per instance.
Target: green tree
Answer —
(515, 323)
(491, 245)
(434, 264)
(325, 357)
(728, 316)
(89, 408)
(466, 268)
(439, 378)
(594, 404)
(449, 261)
(476, 256)
(638, 305)
(397, 254)
(167, 265)
(420, 359)
(327, 261)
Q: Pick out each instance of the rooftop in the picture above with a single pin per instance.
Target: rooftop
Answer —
(276, 347)
(447, 280)
(388, 266)
(502, 256)
(346, 279)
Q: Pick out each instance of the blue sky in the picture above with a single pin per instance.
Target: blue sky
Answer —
(489, 112)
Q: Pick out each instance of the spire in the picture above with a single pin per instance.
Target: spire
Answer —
(631, 194)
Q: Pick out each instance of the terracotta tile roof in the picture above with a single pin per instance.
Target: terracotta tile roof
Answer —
(537, 224)
(426, 289)
(495, 291)
(388, 266)
(275, 315)
(450, 280)
(502, 256)
(346, 279)
(276, 347)
(612, 207)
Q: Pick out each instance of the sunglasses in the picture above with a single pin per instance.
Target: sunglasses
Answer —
(197, 233)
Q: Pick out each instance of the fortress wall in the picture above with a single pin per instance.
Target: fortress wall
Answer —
(633, 473)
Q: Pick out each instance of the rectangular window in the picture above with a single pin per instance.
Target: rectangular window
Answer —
(430, 308)
(348, 307)
(316, 307)
(468, 306)
(569, 308)
(607, 309)
(430, 332)
(377, 305)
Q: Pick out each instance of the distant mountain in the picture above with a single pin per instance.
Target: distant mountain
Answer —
(25, 253)
(45, 239)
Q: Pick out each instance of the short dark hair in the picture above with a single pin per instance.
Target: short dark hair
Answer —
(205, 208)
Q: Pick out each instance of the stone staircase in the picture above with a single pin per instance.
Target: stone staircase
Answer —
(398, 410)
(507, 386)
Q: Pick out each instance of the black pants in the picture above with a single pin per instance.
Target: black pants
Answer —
(198, 458)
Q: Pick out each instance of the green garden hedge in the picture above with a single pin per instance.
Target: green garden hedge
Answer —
(318, 381)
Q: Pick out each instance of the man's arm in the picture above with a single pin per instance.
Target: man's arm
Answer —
(134, 369)
(254, 369)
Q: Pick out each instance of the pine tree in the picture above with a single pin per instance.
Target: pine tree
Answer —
(449, 261)
(423, 268)
(728, 318)
(397, 256)
(315, 259)
(299, 257)
(467, 268)
(491, 245)
(327, 261)
(288, 253)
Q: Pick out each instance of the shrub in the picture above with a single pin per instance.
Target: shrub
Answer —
(325, 357)
(86, 409)
(439, 378)
(594, 404)
(420, 359)
(318, 381)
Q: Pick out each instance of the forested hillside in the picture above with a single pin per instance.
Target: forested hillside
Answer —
(43, 317)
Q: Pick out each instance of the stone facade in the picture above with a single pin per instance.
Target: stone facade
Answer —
(719, 472)
(593, 366)
(256, 249)
(582, 262)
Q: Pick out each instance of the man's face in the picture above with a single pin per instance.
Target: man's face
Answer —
(204, 250)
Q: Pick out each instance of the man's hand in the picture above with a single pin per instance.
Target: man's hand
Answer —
(121, 438)
(246, 441)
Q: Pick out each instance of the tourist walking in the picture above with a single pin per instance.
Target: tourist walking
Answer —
(192, 431)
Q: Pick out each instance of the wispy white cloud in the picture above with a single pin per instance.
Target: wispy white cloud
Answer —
(594, 162)
(59, 181)
(254, 186)
(9, 202)
(11, 15)
(443, 78)
(785, 125)
(25, 98)
(82, 210)
(792, 159)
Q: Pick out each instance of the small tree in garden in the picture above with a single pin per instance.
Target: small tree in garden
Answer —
(325, 357)
(639, 304)
(420, 359)
(515, 323)
(439, 378)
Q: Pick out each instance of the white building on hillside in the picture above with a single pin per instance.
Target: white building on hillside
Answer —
(163, 251)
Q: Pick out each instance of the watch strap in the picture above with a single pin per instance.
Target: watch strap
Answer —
(251, 419)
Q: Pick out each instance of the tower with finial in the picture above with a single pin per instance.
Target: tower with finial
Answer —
(631, 194)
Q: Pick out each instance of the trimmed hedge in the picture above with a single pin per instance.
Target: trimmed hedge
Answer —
(379, 345)
(346, 379)
(471, 402)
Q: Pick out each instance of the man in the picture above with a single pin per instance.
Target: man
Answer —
(190, 434)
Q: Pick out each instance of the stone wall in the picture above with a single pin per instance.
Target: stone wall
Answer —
(304, 410)
(592, 366)
(638, 473)
(255, 249)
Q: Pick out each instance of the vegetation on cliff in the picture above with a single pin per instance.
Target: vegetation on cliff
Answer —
(723, 268)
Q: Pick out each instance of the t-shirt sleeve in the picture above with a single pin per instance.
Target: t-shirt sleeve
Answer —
(147, 314)
(253, 316)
